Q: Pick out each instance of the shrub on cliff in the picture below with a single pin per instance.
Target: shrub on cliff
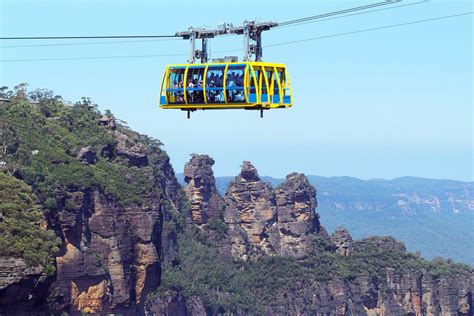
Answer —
(23, 230)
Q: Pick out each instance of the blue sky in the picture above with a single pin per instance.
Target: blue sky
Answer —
(379, 104)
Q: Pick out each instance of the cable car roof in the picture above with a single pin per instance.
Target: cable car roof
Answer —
(223, 64)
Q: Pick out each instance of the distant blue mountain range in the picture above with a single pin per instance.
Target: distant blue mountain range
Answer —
(434, 217)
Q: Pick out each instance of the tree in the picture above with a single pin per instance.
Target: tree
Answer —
(21, 91)
(41, 94)
(8, 145)
(48, 103)
(5, 93)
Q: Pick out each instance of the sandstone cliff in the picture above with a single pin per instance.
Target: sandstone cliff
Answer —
(110, 257)
(23, 287)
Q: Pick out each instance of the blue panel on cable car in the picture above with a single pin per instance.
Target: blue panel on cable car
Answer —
(162, 100)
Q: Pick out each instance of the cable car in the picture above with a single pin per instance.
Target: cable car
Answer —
(226, 85)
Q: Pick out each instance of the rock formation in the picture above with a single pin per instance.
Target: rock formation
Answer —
(22, 287)
(108, 121)
(250, 213)
(296, 203)
(87, 155)
(109, 254)
(134, 152)
(206, 203)
(263, 220)
(342, 240)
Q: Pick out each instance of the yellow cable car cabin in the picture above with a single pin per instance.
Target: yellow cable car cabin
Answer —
(251, 85)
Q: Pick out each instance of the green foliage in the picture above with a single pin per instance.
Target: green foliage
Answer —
(126, 184)
(217, 225)
(22, 230)
(50, 135)
(442, 268)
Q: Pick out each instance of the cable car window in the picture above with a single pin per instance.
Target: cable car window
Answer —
(254, 80)
(283, 82)
(194, 90)
(270, 79)
(276, 90)
(260, 76)
(281, 75)
(263, 84)
(175, 82)
(235, 84)
(214, 84)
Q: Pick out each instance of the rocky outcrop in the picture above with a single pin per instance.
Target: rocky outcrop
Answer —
(108, 121)
(296, 216)
(134, 152)
(250, 214)
(342, 240)
(206, 203)
(172, 304)
(22, 287)
(266, 221)
(87, 155)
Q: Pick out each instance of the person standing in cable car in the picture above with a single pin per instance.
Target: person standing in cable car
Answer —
(191, 92)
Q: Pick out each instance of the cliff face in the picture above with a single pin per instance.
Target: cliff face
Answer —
(23, 287)
(110, 257)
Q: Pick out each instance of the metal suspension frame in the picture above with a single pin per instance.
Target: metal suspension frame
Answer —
(251, 31)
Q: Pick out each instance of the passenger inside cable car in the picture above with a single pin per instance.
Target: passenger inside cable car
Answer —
(214, 84)
(235, 84)
(194, 89)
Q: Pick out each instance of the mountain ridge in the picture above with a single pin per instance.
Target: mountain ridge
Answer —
(405, 207)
